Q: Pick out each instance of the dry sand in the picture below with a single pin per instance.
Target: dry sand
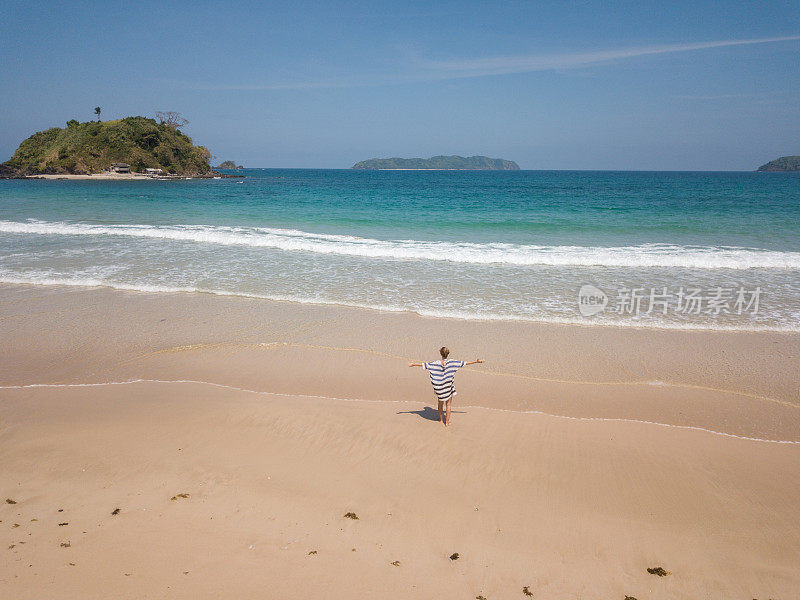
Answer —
(547, 478)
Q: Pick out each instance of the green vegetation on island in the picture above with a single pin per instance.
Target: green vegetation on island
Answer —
(228, 164)
(784, 163)
(92, 147)
(471, 163)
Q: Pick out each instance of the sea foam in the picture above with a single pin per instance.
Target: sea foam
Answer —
(461, 315)
(291, 240)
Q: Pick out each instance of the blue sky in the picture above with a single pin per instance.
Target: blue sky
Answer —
(552, 85)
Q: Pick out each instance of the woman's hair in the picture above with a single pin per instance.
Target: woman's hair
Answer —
(444, 351)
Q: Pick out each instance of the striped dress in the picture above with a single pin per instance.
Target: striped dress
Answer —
(442, 377)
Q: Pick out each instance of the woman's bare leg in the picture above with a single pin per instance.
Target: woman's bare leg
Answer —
(447, 420)
(440, 411)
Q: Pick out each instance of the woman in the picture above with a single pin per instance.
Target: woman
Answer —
(442, 377)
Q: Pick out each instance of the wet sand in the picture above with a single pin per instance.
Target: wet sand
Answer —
(578, 457)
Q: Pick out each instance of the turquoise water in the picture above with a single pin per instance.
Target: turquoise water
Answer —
(474, 245)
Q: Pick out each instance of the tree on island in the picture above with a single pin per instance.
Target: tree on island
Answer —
(455, 162)
(91, 147)
(97, 110)
(784, 163)
(171, 118)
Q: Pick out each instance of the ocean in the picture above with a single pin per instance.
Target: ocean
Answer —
(643, 249)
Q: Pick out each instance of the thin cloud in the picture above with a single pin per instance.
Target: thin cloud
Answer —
(437, 70)
(248, 87)
(711, 96)
(505, 65)
(302, 85)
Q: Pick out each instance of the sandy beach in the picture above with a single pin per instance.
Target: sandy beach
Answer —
(105, 175)
(108, 176)
(562, 364)
(578, 457)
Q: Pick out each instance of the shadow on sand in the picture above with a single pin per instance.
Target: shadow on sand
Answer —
(431, 414)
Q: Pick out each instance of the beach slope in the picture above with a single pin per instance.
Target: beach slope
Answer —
(180, 446)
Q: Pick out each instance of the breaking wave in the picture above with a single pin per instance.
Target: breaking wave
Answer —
(291, 240)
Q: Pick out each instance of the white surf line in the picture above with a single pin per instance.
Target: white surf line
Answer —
(419, 312)
(484, 371)
(488, 253)
(287, 395)
(624, 420)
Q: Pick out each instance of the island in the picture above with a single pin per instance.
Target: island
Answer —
(450, 163)
(228, 164)
(782, 164)
(123, 147)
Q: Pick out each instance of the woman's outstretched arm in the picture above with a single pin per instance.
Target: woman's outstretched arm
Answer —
(473, 362)
(412, 364)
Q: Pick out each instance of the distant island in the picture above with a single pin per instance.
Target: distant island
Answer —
(784, 163)
(228, 164)
(132, 144)
(471, 163)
